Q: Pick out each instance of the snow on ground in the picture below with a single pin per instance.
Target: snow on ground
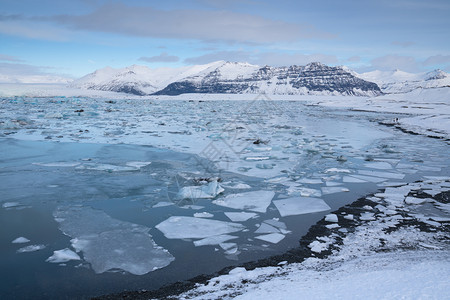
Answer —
(395, 253)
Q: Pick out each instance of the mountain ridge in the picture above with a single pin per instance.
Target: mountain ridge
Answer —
(244, 78)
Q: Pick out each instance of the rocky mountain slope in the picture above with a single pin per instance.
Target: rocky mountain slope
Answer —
(227, 77)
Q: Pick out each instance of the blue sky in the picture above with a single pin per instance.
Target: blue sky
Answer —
(74, 37)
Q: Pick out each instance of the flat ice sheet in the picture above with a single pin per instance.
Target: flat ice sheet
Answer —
(333, 189)
(382, 174)
(240, 216)
(109, 244)
(214, 240)
(257, 201)
(300, 205)
(182, 227)
(273, 238)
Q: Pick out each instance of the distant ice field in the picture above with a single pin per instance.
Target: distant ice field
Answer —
(101, 195)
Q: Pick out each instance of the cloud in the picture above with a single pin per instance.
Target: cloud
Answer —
(262, 58)
(25, 27)
(391, 62)
(354, 59)
(437, 60)
(188, 24)
(5, 57)
(163, 57)
(402, 44)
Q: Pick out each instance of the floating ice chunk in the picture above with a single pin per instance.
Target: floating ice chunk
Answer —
(349, 217)
(367, 216)
(380, 165)
(428, 168)
(31, 248)
(276, 223)
(333, 189)
(109, 244)
(336, 170)
(307, 192)
(10, 204)
(194, 207)
(318, 247)
(273, 238)
(106, 167)
(20, 240)
(240, 216)
(369, 178)
(414, 200)
(350, 179)
(163, 204)
(214, 240)
(332, 226)
(195, 228)
(392, 183)
(138, 164)
(208, 191)
(300, 205)
(310, 181)
(64, 255)
(203, 215)
(63, 164)
(266, 228)
(237, 271)
(257, 201)
(331, 218)
(238, 186)
(382, 174)
(257, 158)
(228, 247)
(332, 183)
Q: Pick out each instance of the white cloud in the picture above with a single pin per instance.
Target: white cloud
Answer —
(437, 60)
(188, 24)
(163, 57)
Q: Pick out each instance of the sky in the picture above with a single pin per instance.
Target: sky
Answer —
(71, 38)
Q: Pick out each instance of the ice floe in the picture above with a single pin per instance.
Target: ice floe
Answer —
(331, 218)
(256, 201)
(207, 191)
(214, 240)
(300, 205)
(203, 215)
(182, 227)
(273, 238)
(333, 189)
(63, 255)
(20, 240)
(31, 248)
(109, 244)
(240, 216)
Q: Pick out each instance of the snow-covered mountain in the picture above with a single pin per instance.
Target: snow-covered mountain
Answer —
(402, 82)
(231, 78)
